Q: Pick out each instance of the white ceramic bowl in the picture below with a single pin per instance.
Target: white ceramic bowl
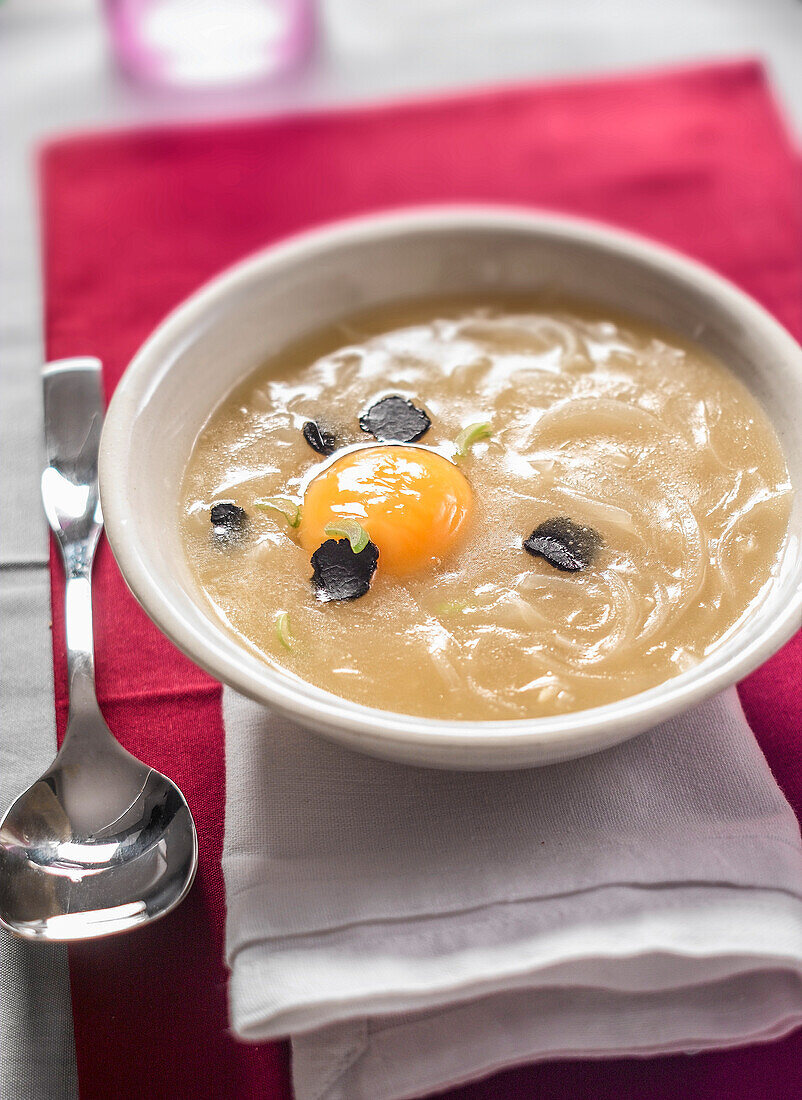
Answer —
(231, 325)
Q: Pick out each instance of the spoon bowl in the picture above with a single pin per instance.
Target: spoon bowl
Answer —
(99, 844)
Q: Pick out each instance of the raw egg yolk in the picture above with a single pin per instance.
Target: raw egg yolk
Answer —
(413, 503)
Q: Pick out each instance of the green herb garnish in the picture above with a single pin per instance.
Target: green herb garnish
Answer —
(451, 607)
(283, 629)
(348, 529)
(284, 506)
(474, 433)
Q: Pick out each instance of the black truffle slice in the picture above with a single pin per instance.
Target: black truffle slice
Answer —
(339, 573)
(319, 439)
(229, 522)
(564, 544)
(395, 420)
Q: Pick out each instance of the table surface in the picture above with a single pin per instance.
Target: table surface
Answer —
(56, 75)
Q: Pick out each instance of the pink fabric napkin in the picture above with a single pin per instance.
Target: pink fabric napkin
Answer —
(697, 158)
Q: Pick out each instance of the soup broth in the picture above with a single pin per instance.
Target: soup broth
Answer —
(657, 458)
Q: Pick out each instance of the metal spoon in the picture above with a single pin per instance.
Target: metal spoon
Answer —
(101, 843)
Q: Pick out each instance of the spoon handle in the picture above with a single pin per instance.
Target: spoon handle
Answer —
(73, 407)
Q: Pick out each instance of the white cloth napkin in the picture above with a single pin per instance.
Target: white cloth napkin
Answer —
(413, 929)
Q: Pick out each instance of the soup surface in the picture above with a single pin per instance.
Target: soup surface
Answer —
(652, 482)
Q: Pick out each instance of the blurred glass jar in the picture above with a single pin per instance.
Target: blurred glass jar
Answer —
(209, 43)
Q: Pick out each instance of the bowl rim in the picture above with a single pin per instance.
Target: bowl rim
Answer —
(303, 701)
